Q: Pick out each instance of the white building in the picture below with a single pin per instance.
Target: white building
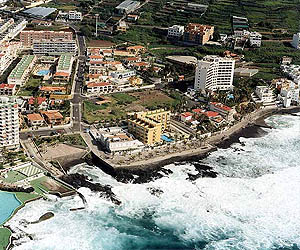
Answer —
(8, 52)
(292, 71)
(289, 91)
(296, 41)
(72, 15)
(100, 88)
(9, 123)
(115, 139)
(54, 46)
(75, 15)
(255, 39)
(213, 73)
(175, 31)
(122, 74)
(265, 95)
(20, 73)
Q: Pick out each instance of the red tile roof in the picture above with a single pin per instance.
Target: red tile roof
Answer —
(7, 86)
(97, 84)
(211, 114)
(198, 111)
(221, 106)
(35, 117)
(38, 100)
(186, 114)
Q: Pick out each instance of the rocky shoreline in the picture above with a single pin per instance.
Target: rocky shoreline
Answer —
(152, 171)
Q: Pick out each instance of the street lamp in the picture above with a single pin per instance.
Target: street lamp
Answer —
(97, 24)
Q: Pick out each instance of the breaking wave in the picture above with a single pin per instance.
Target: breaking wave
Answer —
(254, 203)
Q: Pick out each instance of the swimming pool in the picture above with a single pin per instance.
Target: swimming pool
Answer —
(166, 138)
(43, 72)
(8, 204)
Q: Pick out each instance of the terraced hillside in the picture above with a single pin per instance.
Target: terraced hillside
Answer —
(263, 15)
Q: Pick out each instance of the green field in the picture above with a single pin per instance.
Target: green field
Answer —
(4, 237)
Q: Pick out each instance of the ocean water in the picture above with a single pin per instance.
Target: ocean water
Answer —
(254, 203)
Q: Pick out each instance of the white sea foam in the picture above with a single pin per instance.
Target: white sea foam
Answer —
(253, 204)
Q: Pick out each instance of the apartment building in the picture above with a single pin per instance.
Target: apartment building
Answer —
(296, 41)
(214, 73)
(145, 130)
(10, 28)
(222, 109)
(27, 37)
(100, 88)
(289, 91)
(9, 123)
(159, 115)
(63, 69)
(198, 33)
(255, 39)
(175, 31)
(8, 52)
(20, 73)
(149, 126)
(54, 47)
(7, 89)
(265, 95)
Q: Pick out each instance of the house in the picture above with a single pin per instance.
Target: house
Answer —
(132, 18)
(286, 60)
(39, 103)
(7, 89)
(138, 49)
(35, 120)
(131, 60)
(187, 116)
(53, 117)
(141, 65)
(122, 26)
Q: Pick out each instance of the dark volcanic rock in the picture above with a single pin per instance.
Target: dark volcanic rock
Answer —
(140, 176)
(203, 171)
(79, 180)
(155, 191)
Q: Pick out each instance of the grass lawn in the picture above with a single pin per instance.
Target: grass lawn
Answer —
(74, 139)
(95, 113)
(24, 197)
(38, 186)
(4, 237)
(123, 103)
(123, 98)
(30, 87)
(14, 176)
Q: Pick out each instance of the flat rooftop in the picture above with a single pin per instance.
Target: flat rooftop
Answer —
(40, 11)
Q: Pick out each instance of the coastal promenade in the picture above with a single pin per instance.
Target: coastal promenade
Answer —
(181, 151)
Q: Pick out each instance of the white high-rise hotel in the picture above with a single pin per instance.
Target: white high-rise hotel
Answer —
(214, 73)
(9, 122)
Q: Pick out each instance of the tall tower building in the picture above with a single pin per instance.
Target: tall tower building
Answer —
(9, 122)
(214, 73)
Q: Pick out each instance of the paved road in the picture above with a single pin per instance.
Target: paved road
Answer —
(76, 101)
